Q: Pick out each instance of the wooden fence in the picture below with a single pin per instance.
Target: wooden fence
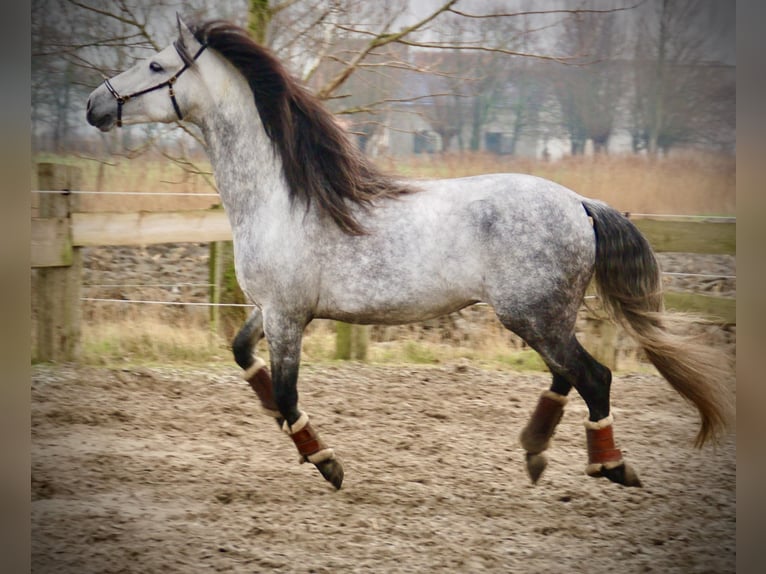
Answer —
(61, 231)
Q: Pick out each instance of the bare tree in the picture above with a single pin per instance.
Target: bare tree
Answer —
(681, 93)
(491, 70)
(589, 91)
(448, 110)
(335, 44)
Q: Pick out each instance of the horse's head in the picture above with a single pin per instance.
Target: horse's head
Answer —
(157, 89)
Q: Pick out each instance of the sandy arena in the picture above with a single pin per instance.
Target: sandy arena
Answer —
(175, 470)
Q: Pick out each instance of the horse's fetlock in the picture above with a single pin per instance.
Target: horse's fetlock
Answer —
(600, 437)
(298, 425)
(257, 375)
(604, 458)
(310, 447)
(536, 436)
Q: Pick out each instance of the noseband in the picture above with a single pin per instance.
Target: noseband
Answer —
(169, 83)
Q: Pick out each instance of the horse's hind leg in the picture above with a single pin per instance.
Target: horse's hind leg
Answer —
(572, 366)
(536, 436)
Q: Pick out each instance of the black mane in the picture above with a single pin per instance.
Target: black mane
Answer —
(320, 163)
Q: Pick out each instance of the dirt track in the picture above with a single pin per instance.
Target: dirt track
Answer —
(175, 470)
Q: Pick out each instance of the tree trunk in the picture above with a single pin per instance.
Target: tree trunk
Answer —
(658, 105)
(259, 16)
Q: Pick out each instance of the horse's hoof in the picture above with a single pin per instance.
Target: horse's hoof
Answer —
(332, 470)
(623, 474)
(536, 464)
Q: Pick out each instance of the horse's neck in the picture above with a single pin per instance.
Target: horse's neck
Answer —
(247, 168)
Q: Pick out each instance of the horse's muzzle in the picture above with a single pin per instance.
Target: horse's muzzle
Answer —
(99, 115)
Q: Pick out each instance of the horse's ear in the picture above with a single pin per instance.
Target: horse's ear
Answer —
(184, 32)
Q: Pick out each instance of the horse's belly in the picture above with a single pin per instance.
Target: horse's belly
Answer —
(392, 315)
(391, 308)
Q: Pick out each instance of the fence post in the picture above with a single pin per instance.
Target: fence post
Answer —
(351, 341)
(215, 276)
(58, 289)
(226, 321)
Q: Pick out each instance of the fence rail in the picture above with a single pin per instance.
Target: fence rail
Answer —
(60, 232)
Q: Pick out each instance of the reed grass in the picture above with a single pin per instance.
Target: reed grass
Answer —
(141, 176)
(684, 183)
(147, 340)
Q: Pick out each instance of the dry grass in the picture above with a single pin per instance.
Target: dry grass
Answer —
(139, 177)
(149, 340)
(685, 183)
(681, 184)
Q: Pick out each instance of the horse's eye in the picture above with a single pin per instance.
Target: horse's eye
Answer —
(155, 67)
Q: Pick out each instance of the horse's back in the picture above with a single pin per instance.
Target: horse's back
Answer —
(513, 221)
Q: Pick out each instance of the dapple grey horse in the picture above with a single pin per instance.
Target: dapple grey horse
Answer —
(320, 232)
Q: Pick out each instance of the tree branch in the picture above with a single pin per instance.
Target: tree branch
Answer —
(573, 11)
(480, 48)
(371, 107)
(132, 21)
(380, 39)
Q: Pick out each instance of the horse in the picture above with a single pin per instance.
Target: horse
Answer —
(319, 231)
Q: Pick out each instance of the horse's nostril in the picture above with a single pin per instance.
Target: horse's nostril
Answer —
(89, 104)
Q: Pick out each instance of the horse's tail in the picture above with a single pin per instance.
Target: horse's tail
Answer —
(630, 287)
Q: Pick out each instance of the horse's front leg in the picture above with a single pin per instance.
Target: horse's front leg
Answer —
(255, 371)
(279, 397)
(285, 346)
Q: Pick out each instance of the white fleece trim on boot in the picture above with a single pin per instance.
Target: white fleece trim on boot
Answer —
(297, 426)
(594, 469)
(598, 425)
(271, 413)
(321, 456)
(561, 399)
(257, 365)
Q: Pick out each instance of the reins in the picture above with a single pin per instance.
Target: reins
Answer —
(169, 83)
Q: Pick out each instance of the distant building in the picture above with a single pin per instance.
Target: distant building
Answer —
(523, 107)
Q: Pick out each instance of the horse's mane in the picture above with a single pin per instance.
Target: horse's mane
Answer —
(320, 162)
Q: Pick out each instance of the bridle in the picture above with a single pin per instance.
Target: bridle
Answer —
(169, 83)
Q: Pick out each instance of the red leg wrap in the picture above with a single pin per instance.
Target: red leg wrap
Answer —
(535, 437)
(260, 381)
(601, 449)
(307, 441)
